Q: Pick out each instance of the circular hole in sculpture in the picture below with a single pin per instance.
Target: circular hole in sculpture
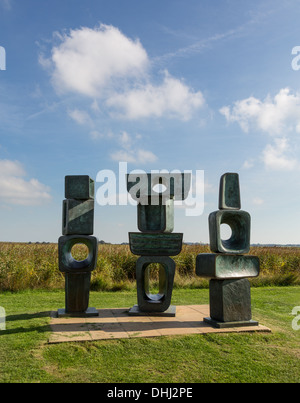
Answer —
(226, 232)
(80, 252)
(155, 281)
(159, 188)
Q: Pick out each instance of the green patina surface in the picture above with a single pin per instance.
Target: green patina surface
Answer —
(221, 266)
(229, 193)
(155, 244)
(80, 187)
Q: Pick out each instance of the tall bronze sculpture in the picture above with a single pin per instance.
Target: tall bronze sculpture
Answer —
(156, 242)
(227, 267)
(77, 228)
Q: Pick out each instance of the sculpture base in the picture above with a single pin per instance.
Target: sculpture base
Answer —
(230, 300)
(135, 311)
(223, 325)
(90, 312)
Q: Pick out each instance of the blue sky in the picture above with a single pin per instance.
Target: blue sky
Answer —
(170, 84)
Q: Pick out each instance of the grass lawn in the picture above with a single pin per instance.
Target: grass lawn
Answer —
(262, 357)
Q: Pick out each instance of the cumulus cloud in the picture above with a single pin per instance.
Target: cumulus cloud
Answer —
(138, 156)
(248, 164)
(113, 77)
(279, 117)
(80, 117)
(114, 70)
(277, 156)
(87, 60)
(14, 189)
(129, 152)
(171, 99)
(272, 115)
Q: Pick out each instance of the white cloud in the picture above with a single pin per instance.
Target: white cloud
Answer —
(125, 140)
(80, 117)
(114, 70)
(273, 116)
(138, 156)
(171, 99)
(145, 156)
(88, 60)
(258, 201)
(279, 117)
(14, 189)
(248, 164)
(131, 153)
(129, 150)
(275, 156)
(95, 134)
(95, 107)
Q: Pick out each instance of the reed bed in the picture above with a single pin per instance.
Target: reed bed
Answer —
(35, 266)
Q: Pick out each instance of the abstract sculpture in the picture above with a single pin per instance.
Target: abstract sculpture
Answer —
(227, 268)
(77, 228)
(156, 242)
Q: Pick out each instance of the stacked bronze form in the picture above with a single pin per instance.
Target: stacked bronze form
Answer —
(228, 267)
(77, 228)
(155, 242)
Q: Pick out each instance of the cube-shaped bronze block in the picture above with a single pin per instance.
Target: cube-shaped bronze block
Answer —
(67, 263)
(230, 300)
(79, 187)
(78, 217)
(239, 222)
(157, 217)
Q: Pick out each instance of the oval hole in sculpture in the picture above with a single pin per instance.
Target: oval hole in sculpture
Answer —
(225, 232)
(155, 282)
(159, 188)
(80, 252)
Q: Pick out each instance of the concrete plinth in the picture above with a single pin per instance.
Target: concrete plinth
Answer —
(135, 311)
(90, 312)
(224, 325)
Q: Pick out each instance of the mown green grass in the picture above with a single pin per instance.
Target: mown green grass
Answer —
(269, 357)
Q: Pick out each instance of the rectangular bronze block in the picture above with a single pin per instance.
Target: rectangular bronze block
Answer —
(78, 217)
(77, 292)
(220, 266)
(155, 244)
(156, 217)
(229, 192)
(230, 300)
(79, 187)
